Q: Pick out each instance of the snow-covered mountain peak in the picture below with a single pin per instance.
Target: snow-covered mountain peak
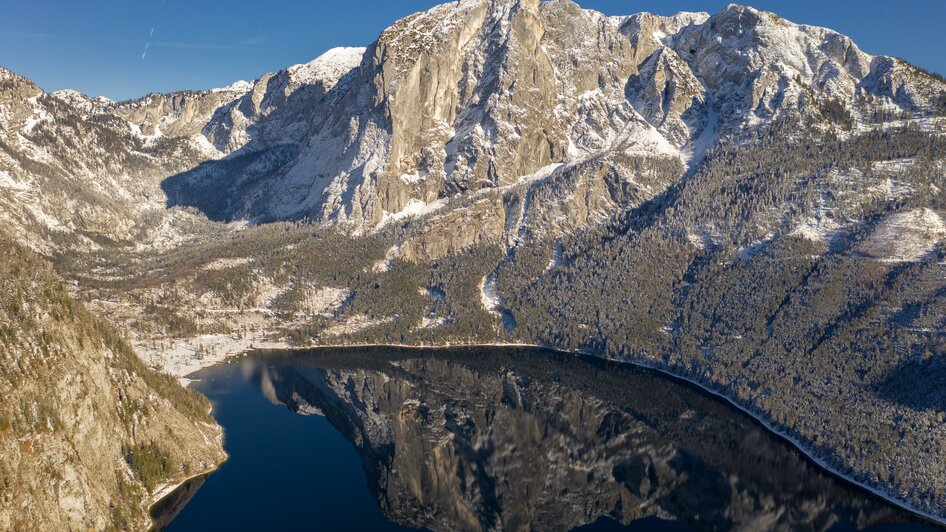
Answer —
(70, 95)
(666, 25)
(239, 86)
(81, 101)
(475, 94)
(329, 67)
(743, 40)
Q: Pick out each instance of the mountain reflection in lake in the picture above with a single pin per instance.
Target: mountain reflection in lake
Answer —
(500, 438)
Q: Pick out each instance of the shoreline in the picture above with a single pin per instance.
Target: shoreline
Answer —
(180, 357)
(163, 493)
(159, 495)
(643, 364)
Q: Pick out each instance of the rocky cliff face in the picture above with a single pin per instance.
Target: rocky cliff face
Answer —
(88, 435)
(481, 94)
(470, 96)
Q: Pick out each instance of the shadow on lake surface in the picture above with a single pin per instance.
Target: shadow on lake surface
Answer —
(500, 438)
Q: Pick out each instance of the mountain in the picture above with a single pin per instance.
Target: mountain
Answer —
(340, 141)
(752, 204)
(89, 436)
(502, 99)
(76, 171)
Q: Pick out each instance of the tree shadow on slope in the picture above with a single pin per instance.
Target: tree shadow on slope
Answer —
(919, 384)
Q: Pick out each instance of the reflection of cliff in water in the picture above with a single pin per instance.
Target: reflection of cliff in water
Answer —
(528, 439)
(165, 510)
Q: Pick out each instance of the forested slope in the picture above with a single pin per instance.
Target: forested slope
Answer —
(87, 432)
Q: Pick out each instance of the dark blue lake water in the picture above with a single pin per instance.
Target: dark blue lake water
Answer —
(469, 439)
(285, 471)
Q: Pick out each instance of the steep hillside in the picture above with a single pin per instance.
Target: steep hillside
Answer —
(73, 175)
(88, 174)
(88, 435)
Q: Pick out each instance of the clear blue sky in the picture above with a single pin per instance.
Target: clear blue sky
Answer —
(96, 46)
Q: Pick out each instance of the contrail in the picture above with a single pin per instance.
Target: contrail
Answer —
(148, 43)
(150, 35)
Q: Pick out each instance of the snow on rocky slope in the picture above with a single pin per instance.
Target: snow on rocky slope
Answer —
(473, 95)
(905, 236)
(468, 96)
(76, 168)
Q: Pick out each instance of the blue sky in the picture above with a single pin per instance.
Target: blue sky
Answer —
(98, 46)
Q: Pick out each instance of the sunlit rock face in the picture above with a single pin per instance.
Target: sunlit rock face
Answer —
(528, 440)
(468, 97)
(751, 203)
(484, 94)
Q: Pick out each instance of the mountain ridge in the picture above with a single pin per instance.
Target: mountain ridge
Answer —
(671, 78)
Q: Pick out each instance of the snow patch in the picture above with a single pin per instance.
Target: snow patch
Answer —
(489, 297)
(385, 265)
(39, 115)
(415, 208)
(325, 300)
(431, 323)
(354, 324)
(269, 293)
(223, 264)
(694, 153)
(6, 181)
(539, 174)
(328, 68)
(206, 147)
(239, 86)
(414, 178)
(818, 229)
(905, 236)
(181, 357)
(556, 259)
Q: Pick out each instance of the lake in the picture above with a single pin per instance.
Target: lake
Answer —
(496, 438)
